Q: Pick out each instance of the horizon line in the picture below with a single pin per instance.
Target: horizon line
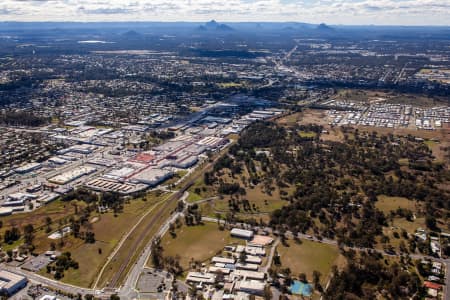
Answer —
(225, 22)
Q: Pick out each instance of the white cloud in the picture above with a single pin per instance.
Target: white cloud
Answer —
(405, 12)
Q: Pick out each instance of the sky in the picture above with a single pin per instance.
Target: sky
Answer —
(348, 12)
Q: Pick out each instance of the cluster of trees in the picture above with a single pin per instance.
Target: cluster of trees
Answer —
(368, 276)
(14, 234)
(331, 187)
(108, 199)
(336, 183)
(11, 235)
(159, 261)
(193, 215)
(236, 205)
(22, 118)
(81, 194)
(63, 263)
(230, 188)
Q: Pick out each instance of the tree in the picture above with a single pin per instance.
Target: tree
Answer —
(302, 277)
(28, 234)
(12, 235)
(430, 221)
(242, 257)
(316, 280)
(157, 253)
(89, 237)
(218, 217)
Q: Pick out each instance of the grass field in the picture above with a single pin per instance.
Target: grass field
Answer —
(387, 204)
(309, 256)
(124, 252)
(108, 231)
(199, 191)
(55, 210)
(291, 119)
(307, 134)
(58, 211)
(265, 204)
(198, 242)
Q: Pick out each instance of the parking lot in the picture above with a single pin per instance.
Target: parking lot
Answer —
(152, 281)
(35, 264)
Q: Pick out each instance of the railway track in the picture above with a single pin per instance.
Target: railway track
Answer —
(116, 280)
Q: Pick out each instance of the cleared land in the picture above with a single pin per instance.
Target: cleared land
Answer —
(386, 204)
(199, 243)
(108, 230)
(309, 256)
(359, 95)
(262, 205)
(199, 191)
(59, 212)
(118, 267)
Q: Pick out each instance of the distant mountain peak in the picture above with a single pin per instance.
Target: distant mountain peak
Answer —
(323, 26)
(131, 33)
(224, 27)
(213, 25)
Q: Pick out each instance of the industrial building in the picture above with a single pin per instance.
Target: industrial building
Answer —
(18, 199)
(109, 185)
(5, 211)
(152, 176)
(11, 283)
(28, 168)
(241, 233)
(251, 286)
(200, 278)
(72, 175)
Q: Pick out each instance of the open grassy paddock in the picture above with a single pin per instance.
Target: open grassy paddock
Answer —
(264, 203)
(309, 256)
(199, 191)
(58, 211)
(199, 242)
(386, 204)
(108, 230)
(125, 251)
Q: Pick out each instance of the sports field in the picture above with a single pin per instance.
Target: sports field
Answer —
(309, 256)
(197, 242)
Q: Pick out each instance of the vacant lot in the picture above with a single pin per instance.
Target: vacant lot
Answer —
(291, 119)
(108, 230)
(358, 95)
(309, 256)
(307, 134)
(127, 250)
(197, 242)
(261, 203)
(59, 212)
(56, 210)
(387, 204)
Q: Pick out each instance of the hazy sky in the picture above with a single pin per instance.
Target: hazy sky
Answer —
(391, 12)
